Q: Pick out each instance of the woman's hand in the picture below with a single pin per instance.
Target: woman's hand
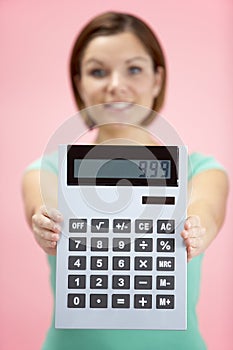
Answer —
(193, 235)
(46, 228)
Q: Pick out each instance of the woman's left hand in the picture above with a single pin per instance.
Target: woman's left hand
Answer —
(193, 235)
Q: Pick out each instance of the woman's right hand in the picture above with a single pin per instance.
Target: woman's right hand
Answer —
(46, 228)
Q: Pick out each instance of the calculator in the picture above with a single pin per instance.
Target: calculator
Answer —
(121, 262)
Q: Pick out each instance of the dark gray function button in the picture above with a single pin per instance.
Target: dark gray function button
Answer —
(99, 225)
(166, 245)
(165, 264)
(98, 301)
(120, 301)
(143, 282)
(165, 282)
(166, 226)
(143, 226)
(143, 301)
(143, 245)
(121, 225)
(165, 301)
(78, 225)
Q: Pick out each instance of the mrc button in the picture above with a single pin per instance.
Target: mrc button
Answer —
(165, 226)
(165, 264)
(143, 226)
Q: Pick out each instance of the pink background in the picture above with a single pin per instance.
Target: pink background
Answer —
(36, 37)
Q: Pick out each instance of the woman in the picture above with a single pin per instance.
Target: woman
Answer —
(117, 61)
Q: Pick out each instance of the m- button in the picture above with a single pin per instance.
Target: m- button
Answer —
(143, 226)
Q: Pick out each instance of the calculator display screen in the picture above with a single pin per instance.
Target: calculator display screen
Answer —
(108, 165)
(122, 168)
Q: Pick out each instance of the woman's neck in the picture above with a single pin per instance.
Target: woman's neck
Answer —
(124, 134)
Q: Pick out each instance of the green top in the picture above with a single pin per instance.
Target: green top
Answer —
(89, 339)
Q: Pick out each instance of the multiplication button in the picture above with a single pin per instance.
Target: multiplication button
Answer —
(143, 263)
(165, 301)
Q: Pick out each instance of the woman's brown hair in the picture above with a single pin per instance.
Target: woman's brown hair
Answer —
(111, 23)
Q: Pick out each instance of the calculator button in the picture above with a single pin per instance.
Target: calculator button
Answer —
(143, 226)
(98, 282)
(76, 281)
(165, 301)
(121, 226)
(99, 225)
(121, 244)
(165, 226)
(165, 245)
(99, 263)
(77, 244)
(165, 282)
(143, 263)
(98, 300)
(77, 263)
(143, 282)
(121, 263)
(143, 245)
(165, 264)
(99, 244)
(76, 301)
(120, 301)
(120, 282)
(78, 225)
(143, 301)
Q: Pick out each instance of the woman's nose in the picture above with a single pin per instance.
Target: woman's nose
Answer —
(116, 83)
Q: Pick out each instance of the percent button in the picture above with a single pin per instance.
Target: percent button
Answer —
(165, 245)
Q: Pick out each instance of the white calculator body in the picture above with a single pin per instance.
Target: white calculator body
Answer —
(121, 262)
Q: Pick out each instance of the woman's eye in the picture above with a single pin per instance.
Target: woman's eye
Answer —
(135, 70)
(98, 73)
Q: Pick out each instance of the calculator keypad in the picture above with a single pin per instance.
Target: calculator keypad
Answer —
(102, 245)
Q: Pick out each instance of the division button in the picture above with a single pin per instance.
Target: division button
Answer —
(143, 245)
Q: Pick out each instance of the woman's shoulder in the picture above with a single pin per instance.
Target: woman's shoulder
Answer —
(46, 162)
(199, 162)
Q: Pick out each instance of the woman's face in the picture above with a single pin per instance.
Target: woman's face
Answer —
(117, 68)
